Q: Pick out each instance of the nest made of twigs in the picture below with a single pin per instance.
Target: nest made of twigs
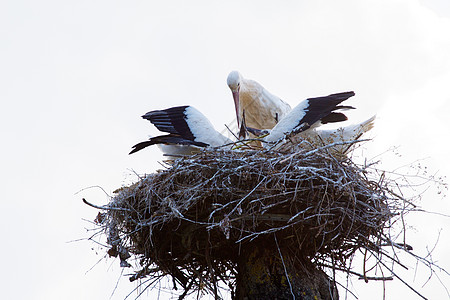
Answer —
(192, 219)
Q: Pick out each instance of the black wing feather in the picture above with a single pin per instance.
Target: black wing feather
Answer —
(333, 118)
(172, 120)
(322, 109)
(168, 140)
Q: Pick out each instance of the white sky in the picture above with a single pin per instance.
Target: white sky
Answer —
(77, 75)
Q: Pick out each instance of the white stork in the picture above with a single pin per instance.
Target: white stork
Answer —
(310, 114)
(188, 131)
(254, 104)
(302, 122)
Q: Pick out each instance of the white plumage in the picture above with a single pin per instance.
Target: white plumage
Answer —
(321, 137)
(202, 129)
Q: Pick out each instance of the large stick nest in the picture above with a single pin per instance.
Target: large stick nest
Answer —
(192, 219)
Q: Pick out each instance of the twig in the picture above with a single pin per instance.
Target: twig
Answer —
(284, 266)
(105, 207)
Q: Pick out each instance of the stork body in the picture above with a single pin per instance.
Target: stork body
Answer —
(301, 126)
(188, 131)
(310, 114)
(253, 103)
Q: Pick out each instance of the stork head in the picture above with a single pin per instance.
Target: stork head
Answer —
(234, 80)
(234, 83)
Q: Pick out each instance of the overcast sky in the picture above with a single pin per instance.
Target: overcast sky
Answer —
(77, 75)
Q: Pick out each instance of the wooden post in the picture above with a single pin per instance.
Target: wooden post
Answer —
(262, 275)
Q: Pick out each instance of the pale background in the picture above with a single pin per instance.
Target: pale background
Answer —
(75, 77)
